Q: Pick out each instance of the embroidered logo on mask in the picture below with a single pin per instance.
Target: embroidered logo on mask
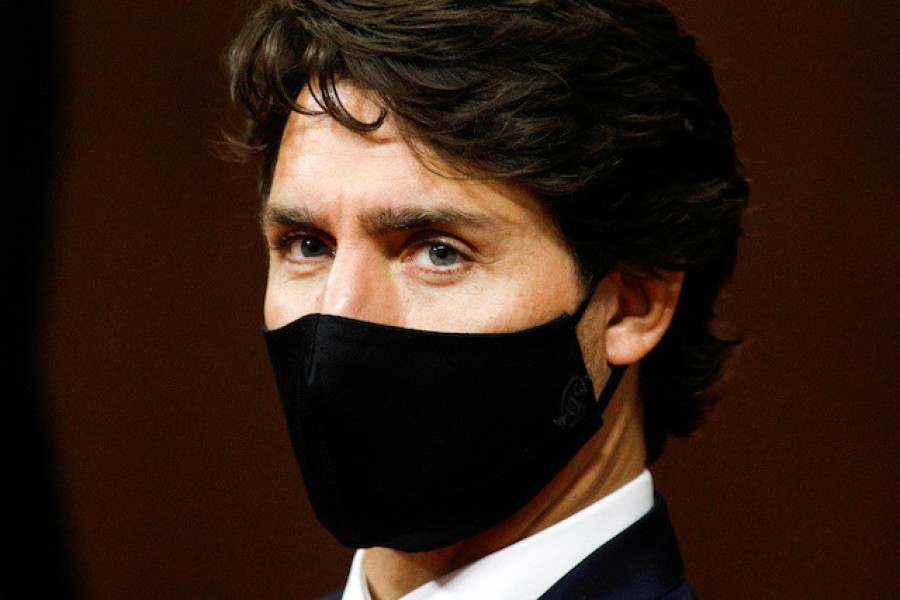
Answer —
(574, 404)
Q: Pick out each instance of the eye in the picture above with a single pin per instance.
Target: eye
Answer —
(443, 255)
(301, 247)
(439, 257)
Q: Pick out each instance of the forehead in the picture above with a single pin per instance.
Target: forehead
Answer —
(319, 146)
(321, 164)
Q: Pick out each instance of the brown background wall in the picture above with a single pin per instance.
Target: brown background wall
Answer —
(175, 468)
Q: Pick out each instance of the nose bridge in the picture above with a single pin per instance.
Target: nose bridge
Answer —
(357, 286)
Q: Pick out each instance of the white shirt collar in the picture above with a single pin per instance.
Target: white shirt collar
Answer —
(532, 565)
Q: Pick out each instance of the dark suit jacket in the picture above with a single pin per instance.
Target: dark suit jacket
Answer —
(641, 563)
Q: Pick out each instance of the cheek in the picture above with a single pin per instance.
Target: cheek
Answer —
(283, 304)
(520, 296)
(274, 313)
(549, 286)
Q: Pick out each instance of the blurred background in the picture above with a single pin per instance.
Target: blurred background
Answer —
(145, 455)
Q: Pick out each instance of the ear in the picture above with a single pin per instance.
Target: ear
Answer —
(644, 309)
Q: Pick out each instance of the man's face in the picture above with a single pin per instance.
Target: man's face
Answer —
(357, 227)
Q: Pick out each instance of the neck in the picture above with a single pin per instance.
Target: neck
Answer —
(612, 457)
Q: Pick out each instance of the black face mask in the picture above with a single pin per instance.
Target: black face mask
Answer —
(416, 440)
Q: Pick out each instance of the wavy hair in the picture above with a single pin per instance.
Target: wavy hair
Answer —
(605, 110)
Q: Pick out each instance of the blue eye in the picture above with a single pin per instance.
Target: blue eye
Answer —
(442, 255)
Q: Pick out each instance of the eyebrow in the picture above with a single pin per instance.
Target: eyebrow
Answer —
(381, 221)
(390, 220)
(288, 216)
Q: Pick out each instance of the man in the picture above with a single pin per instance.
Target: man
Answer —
(496, 232)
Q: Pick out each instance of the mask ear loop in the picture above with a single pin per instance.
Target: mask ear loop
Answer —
(617, 372)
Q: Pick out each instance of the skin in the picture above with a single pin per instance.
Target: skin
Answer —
(358, 227)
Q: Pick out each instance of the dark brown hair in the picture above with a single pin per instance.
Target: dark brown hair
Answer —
(603, 109)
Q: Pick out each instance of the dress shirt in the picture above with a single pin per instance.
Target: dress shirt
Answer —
(529, 567)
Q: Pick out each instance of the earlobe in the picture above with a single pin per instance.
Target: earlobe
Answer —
(644, 310)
